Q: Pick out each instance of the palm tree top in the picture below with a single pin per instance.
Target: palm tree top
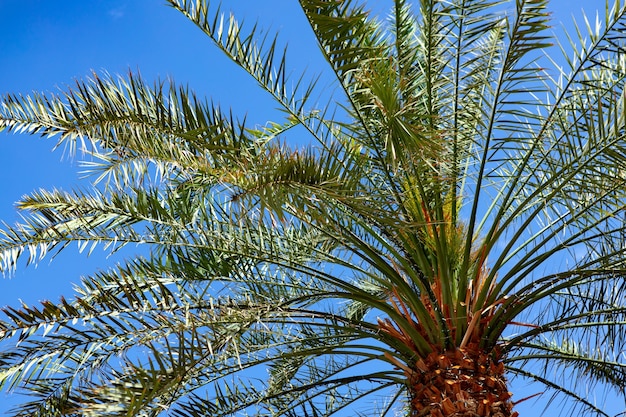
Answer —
(449, 216)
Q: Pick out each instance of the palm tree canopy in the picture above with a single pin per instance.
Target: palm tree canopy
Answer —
(458, 194)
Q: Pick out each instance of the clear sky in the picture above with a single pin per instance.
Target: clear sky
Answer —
(45, 45)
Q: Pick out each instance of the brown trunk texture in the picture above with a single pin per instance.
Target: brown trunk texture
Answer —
(460, 383)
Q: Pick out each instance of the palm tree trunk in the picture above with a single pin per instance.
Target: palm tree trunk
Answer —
(460, 383)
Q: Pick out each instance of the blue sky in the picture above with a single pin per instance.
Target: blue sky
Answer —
(46, 45)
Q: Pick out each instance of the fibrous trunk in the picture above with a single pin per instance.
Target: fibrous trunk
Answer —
(460, 383)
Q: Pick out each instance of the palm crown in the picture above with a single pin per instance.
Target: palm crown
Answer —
(456, 214)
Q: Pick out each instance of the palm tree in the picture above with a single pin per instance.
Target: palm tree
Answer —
(454, 218)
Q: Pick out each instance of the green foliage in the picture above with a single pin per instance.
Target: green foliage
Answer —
(459, 190)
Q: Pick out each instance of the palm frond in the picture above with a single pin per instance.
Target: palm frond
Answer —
(259, 55)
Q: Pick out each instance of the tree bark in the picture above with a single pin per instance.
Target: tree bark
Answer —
(465, 382)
